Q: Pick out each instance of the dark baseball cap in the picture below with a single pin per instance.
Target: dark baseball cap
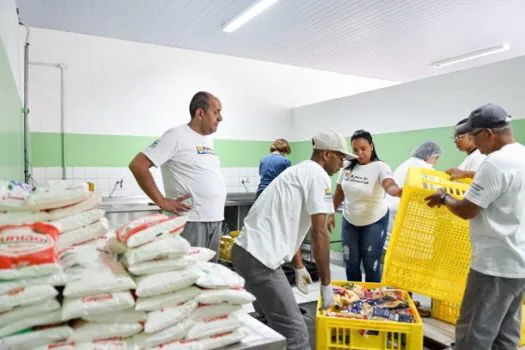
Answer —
(488, 116)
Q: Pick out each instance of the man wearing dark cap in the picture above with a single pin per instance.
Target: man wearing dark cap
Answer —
(490, 314)
(465, 143)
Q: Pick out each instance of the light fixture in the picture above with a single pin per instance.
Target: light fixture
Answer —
(472, 55)
(247, 15)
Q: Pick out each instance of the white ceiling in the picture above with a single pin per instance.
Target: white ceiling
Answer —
(392, 40)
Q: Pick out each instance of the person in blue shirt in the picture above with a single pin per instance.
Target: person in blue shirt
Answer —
(273, 164)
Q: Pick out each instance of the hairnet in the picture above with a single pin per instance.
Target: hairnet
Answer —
(426, 150)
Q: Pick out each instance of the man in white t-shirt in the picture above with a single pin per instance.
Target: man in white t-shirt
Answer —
(490, 314)
(465, 143)
(274, 229)
(191, 173)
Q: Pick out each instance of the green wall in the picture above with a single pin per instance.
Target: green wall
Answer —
(11, 123)
(395, 148)
(84, 150)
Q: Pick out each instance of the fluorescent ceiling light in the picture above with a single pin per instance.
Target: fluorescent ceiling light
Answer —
(247, 15)
(472, 55)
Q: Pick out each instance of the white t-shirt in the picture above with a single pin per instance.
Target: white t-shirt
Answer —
(399, 177)
(472, 162)
(364, 194)
(189, 165)
(498, 231)
(279, 220)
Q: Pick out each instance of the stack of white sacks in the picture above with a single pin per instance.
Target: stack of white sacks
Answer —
(33, 227)
(62, 287)
(189, 302)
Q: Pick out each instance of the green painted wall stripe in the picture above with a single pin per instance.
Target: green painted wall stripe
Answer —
(117, 150)
(11, 123)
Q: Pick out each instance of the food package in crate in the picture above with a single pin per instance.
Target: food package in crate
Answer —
(369, 316)
(352, 300)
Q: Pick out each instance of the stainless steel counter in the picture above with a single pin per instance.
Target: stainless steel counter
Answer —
(130, 204)
(121, 210)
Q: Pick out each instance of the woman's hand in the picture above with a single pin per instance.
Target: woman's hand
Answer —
(331, 222)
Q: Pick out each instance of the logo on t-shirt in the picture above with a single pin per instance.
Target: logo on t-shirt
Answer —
(356, 179)
(205, 150)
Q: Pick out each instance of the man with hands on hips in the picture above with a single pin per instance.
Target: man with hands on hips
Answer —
(191, 173)
(274, 229)
(490, 313)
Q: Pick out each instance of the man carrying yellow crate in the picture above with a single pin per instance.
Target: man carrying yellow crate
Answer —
(490, 313)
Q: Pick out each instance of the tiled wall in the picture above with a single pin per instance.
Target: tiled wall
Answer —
(105, 178)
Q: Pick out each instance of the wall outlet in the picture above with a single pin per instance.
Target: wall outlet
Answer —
(245, 180)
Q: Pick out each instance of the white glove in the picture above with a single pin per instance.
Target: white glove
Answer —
(302, 278)
(327, 296)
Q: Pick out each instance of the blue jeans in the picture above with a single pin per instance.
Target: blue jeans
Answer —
(364, 244)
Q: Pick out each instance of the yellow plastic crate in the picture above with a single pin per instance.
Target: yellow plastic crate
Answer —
(429, 250)
(332, 333)
(444, 311)
(522, 340)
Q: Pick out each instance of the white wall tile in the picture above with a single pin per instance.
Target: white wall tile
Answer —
(69, 173)
(103, 173)
(39, 172)
(91, 172)
(53, 173)
(103, 184)
(115, 173)
(78, 173)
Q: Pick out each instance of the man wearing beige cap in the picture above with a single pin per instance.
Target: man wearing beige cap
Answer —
(274, 229)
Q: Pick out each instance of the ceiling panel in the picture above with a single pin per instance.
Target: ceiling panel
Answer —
(393, 40)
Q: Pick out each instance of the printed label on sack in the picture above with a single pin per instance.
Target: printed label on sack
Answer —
(97, 298)
(220, 335)
(23, 247)
(215, 318)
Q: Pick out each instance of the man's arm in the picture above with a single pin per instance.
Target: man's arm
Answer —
(139, 167)
(456, 174)
(464, 208)
(321, 247)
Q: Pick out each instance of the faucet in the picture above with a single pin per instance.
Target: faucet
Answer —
(117, 184)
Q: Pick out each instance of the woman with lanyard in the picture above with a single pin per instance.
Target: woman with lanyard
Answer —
(362, 184)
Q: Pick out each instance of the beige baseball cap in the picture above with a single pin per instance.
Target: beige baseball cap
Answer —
(332, 141)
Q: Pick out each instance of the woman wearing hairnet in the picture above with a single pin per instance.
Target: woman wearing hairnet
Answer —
(425, 155)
